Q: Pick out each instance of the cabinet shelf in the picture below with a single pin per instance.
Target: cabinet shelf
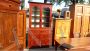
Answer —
(35, 15)
(45, 16)
(46, 11)
(35, 22)
(35, 10)
(45, 22)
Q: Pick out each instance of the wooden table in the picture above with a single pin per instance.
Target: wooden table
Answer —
(80, 44)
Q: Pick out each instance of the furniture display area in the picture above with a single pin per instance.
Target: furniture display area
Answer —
(80, 16)
(10, 27)
(40, 19)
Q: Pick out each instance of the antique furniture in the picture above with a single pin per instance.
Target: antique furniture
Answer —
(11, 26)
(62, 28)
(40, 25)
(80, 20)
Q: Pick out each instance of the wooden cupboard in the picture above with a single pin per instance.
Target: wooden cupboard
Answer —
(80, 20)
(9, 25)
(40, 20)
(62, 30)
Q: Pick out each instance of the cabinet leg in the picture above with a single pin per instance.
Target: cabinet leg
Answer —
(56, 45)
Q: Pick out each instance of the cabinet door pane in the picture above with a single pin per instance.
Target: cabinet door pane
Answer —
(45, 17)
(35, 17)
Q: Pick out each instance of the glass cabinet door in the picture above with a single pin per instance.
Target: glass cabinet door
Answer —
(45, 17)
(35, 21)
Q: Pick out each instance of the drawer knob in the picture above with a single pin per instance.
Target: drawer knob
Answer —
(9, 5)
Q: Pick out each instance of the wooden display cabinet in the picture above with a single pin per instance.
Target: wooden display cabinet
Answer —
(40, 25)
(80, 20)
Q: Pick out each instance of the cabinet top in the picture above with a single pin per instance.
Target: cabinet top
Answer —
(41, 3)
(61, 19)
(17, 1)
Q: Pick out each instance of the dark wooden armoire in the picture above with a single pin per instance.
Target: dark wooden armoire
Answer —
(80, 20)
(40, 19)
(9, 26)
